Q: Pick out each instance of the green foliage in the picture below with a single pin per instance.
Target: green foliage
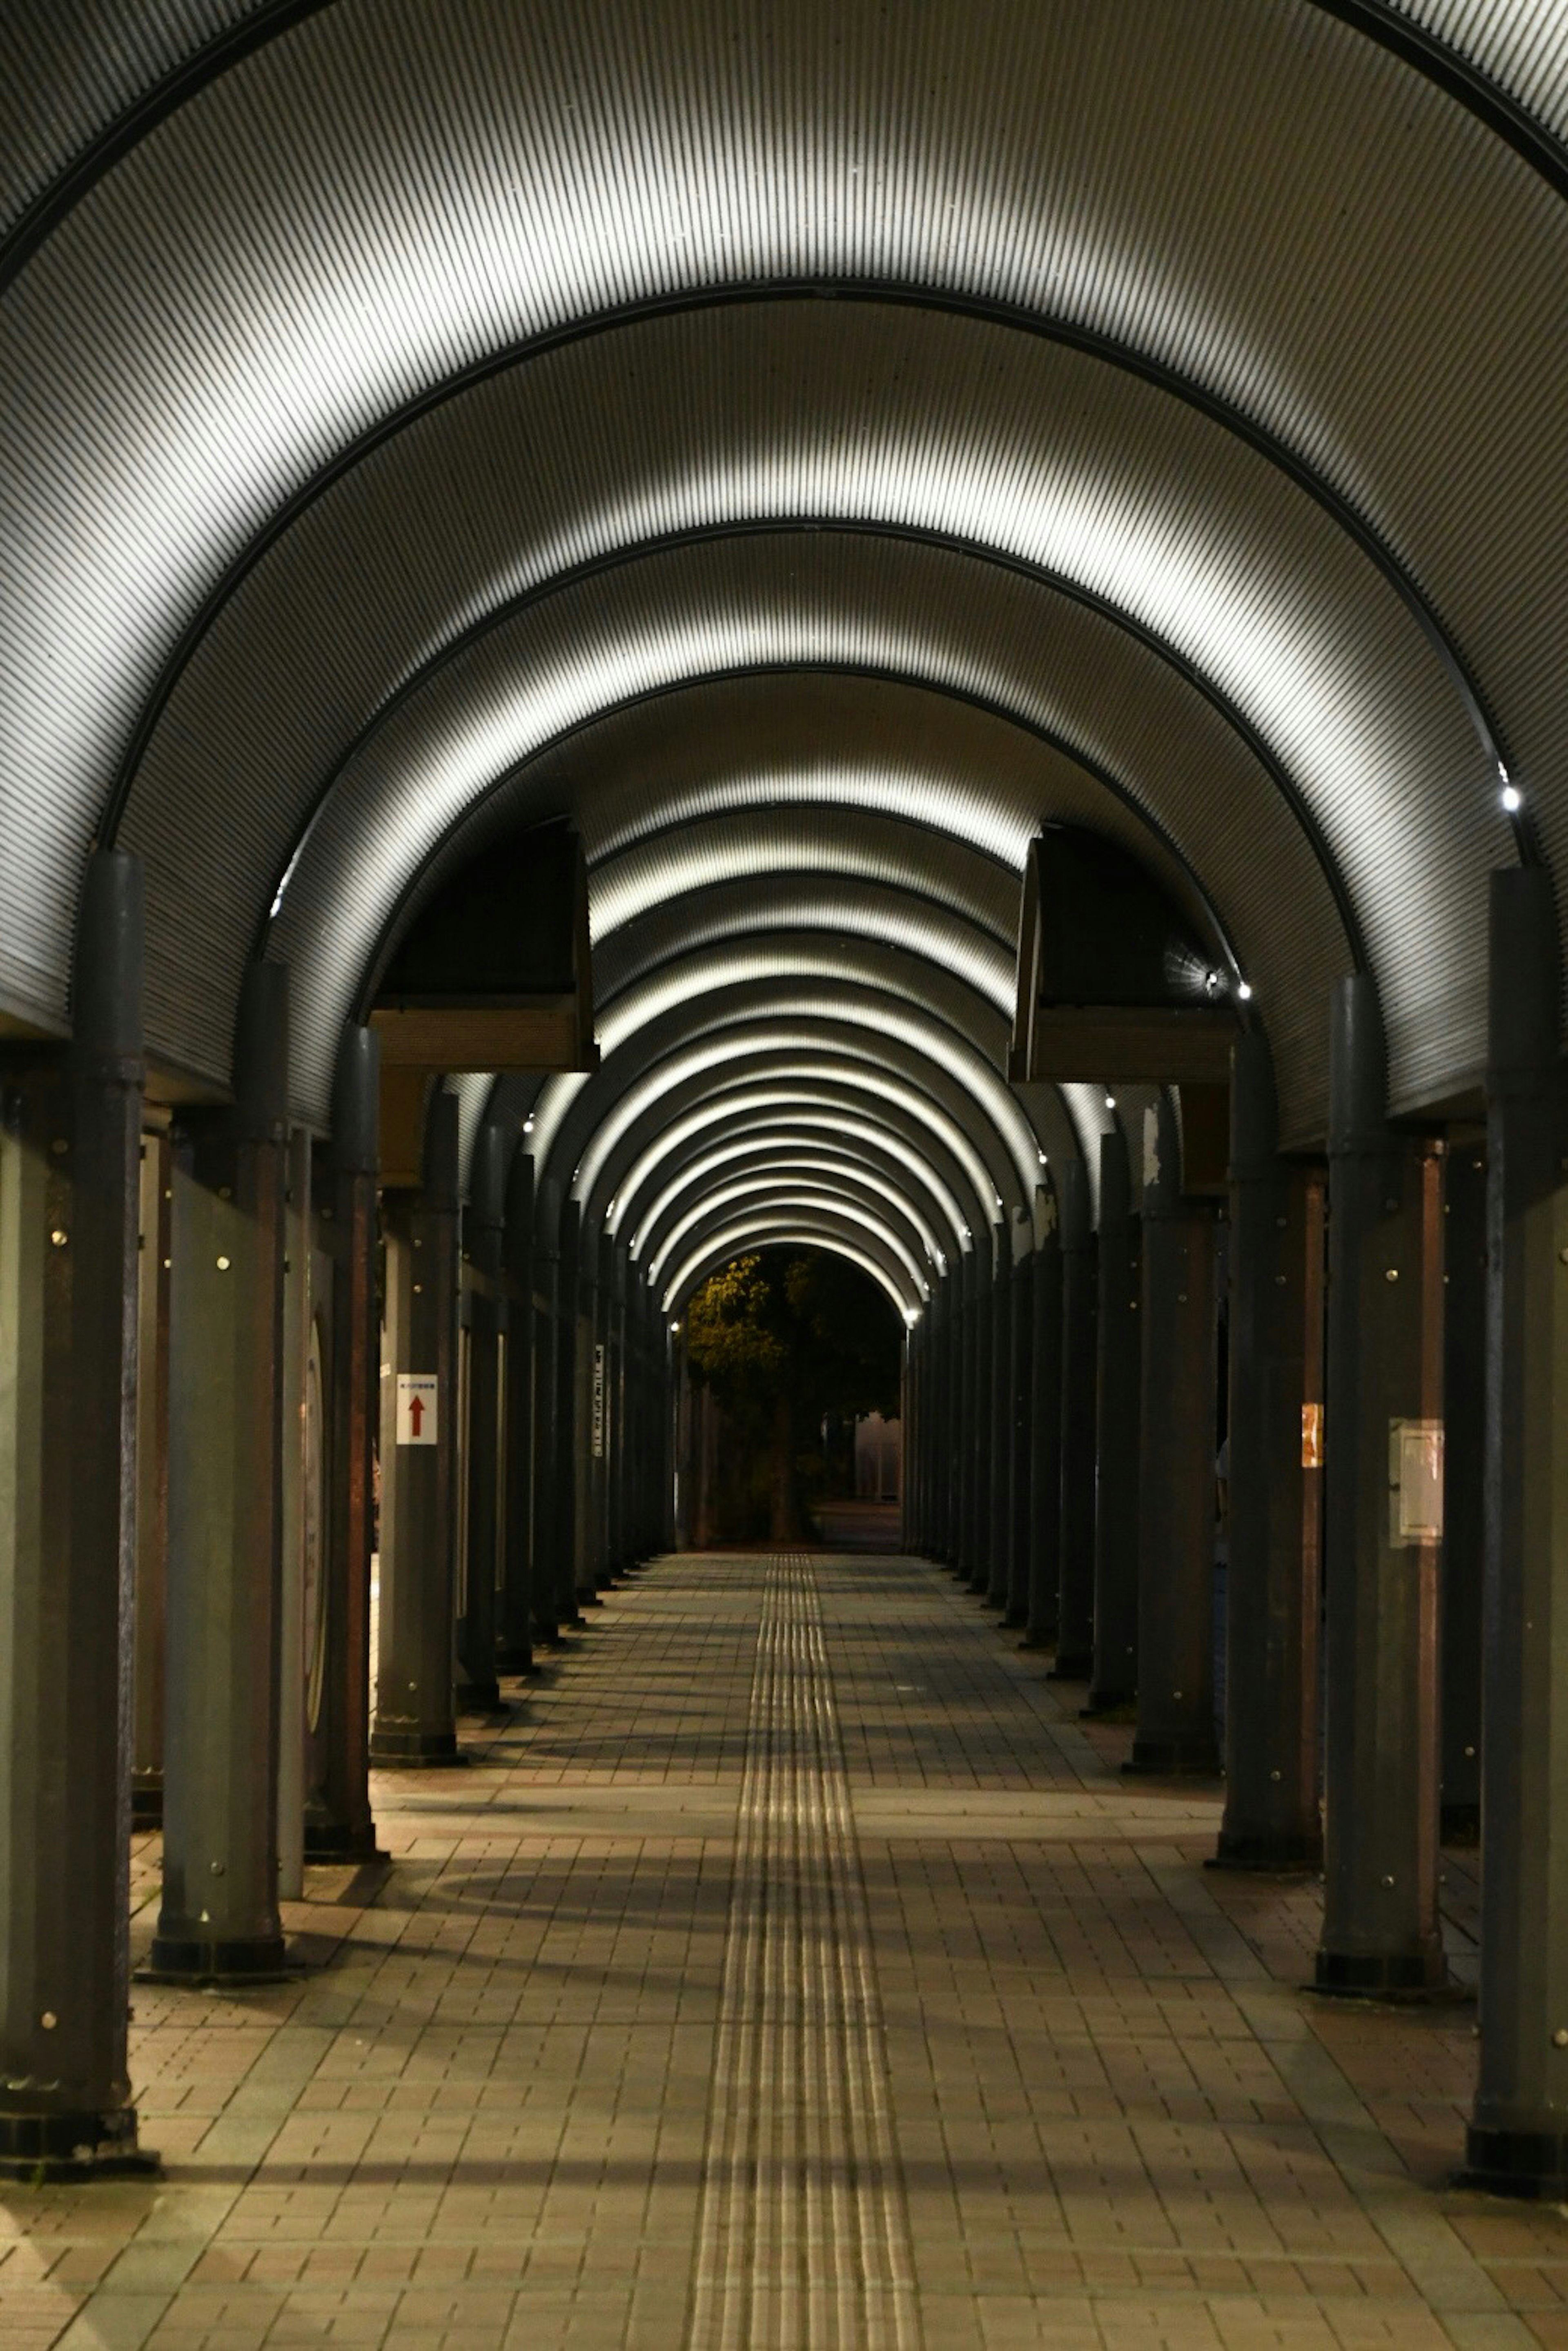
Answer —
(806, 1326)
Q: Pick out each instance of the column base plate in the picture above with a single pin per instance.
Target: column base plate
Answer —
(1531, 2164)
(1401, 1977)
(1174, 1759)
(252, 1960)
(39, 2148)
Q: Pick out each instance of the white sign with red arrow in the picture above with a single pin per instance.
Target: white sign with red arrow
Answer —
(417, 1407)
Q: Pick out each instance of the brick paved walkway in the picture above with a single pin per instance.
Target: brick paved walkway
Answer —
(792, 1968)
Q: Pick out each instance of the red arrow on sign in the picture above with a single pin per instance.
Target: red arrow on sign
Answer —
(415, 1412)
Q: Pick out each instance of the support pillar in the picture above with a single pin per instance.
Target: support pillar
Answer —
(1464, 1489)
(337, 1821)
(998, 1466)
(1045, 1412)
(1175, 1467)
(569, 1284)
(1020, 1388)
(1518, 2138)
(513, 1653)
(1075, 1557)
(969, 1271)
(1113, 1681)
(546, 1616)
(297, 1500)
(978, 1558)
(483, 1225)
(1380, 1929)
(415, 1722)
(219, 1920)
(1272, 1817)
(71, 1126)
(157, 1192)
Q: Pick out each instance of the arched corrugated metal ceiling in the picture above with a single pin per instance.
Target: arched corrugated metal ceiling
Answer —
(760, 1145)
(577, 1119)
(820, 1229)
(807, 1100)
(416, 432)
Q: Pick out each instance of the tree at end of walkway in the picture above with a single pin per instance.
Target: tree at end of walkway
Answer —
(793, 1346)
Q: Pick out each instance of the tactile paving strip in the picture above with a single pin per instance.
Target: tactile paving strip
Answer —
(803, 2234)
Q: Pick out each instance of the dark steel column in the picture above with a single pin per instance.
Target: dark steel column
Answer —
(157, 1194)
(569, 1287)
(1119, 1397)
(1518, 2139)
(1464, 1489)
(977, 1559)
(1271, 1819)
(964, 1414)
(337, 1820)
(513, 1653)
(998, 1563)
(71, 1126)
(1380, 1932)
(415, 1721)
(547, 1399)
(944, 1414)
(484, 1225)
(1020, 1390)
(1045, 1415)
(1175, 1467)
(219, 1917)
(1075, 1560)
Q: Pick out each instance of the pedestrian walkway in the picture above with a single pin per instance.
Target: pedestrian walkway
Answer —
(792, 1969)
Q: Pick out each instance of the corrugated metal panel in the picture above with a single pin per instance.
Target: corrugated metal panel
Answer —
(1037, 450)
(842, 1007)
(1251, 195)
(577, 1147)
(765, 1140)
(1519, 45)
(805, 958)
(860, 1176)
(64, 82)
(860, 1205)
(912, 1127)
(833, 904)
(472, 1089)
(970, 626)
(818, 1231)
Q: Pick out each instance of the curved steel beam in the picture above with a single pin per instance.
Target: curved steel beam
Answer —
(796, 1175)
(1277, 453)
(813, 1095)
(823, 1235)
(801, 1199)
(785, 1140)
(1224, 705)
(583, 1124)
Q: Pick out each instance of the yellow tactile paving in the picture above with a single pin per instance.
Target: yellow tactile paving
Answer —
(497, 2117)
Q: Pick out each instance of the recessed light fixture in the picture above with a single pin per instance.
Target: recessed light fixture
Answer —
(1110, 1101)
(1512, 798)
(1244, 991)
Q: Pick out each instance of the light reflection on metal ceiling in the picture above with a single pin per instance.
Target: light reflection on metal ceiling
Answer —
(361, 211)
(784, 1171)
(820, 1230)
(801, 1141)
(959, 623)
(784, 1200)
(806, 1096)
(844, 1010)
